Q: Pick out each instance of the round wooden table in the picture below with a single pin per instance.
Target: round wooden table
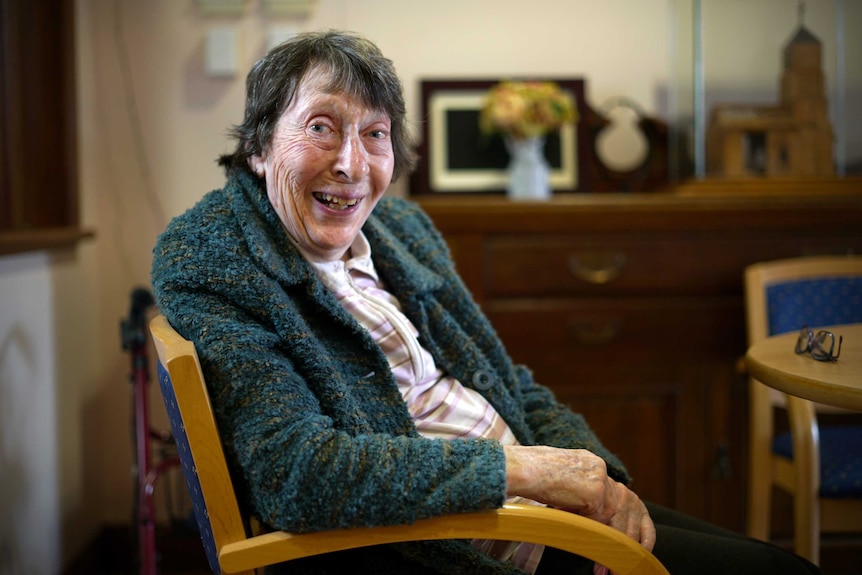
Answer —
(773, 362)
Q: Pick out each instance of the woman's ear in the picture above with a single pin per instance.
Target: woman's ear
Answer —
(257, 164)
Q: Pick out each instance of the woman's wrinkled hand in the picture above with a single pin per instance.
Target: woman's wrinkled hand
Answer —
(577, 480)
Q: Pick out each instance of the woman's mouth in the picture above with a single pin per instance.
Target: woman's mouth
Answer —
(334, 202)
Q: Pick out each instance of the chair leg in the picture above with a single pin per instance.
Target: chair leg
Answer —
(806, 531)
(759, 502)
(760, 464)
(806, 463)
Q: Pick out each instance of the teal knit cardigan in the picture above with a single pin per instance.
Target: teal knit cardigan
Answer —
(314, 426)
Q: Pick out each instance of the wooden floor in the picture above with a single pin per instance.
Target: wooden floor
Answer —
(113, 553)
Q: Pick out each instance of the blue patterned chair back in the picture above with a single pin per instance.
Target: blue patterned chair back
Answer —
(816, 303)
(189, 469)
(813, 302)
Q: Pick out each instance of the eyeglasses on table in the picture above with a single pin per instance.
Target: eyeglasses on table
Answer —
(819, 345)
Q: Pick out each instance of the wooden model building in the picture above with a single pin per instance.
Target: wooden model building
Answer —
(792, 138)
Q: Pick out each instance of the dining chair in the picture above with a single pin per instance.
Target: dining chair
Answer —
(820, 466)
(232, 548)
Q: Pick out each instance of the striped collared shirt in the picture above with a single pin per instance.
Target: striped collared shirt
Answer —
(441, 407)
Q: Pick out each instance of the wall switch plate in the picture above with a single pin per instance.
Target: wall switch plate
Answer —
(287, 8)
(278, 34)
(222, 52)
(221, 7)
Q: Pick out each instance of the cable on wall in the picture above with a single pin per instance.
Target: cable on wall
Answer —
(134, 115)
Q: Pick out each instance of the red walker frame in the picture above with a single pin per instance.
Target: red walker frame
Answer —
(134, 339)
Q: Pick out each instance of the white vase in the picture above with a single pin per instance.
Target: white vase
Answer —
(529, 172)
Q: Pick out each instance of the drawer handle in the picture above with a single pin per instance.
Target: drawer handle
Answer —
(597, 268)
(595, 333)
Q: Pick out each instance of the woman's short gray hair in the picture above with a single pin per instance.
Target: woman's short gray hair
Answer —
(356, 67)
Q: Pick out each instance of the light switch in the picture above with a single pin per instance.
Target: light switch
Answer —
(221, 7)
(278, 34)
(222, 52)
(287, 8)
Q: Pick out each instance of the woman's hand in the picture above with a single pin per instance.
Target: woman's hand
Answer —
(577, 480)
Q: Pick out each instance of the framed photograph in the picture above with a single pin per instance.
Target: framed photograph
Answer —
(455, 157)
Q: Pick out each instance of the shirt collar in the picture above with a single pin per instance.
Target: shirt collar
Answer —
(334, 274)
(360, 257)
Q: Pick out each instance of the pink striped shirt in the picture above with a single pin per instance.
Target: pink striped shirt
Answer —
(440, 405)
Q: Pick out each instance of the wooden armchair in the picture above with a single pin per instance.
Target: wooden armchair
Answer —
(821, 467)
(231, 549)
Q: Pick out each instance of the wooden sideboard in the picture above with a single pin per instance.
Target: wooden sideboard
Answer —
(629, 306)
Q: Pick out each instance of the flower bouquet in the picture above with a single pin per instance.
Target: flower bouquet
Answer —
(523, 110)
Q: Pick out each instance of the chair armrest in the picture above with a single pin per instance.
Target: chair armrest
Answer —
(513, 522)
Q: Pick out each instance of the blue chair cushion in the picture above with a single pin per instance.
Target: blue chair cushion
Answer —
(840, 459)
(816, 302)
(189, 469)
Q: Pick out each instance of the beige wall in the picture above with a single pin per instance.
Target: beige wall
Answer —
(150, 126)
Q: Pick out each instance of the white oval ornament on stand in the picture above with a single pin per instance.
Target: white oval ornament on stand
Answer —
(529, 172)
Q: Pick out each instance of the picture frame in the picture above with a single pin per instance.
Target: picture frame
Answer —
(456, 158)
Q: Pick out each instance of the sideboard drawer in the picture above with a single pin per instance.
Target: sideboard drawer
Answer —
(561, 340)
(561, 266)
(534, 265)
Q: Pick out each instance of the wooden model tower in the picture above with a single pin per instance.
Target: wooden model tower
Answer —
(792, 138)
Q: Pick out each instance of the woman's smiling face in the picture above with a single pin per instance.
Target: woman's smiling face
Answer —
(328, 164)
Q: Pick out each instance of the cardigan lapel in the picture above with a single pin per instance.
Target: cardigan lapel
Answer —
(263, 232)
(407, 276)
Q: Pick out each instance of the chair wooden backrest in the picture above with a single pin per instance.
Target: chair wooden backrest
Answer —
(781, 296)
(231, 549)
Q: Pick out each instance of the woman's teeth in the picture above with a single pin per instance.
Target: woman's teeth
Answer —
(336, 202)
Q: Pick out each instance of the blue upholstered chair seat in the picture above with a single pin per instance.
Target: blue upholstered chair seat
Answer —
(840, 459)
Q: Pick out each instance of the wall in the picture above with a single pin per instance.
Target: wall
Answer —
(28, 410)
(151, 124)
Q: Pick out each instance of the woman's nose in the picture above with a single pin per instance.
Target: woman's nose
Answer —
(352, 160)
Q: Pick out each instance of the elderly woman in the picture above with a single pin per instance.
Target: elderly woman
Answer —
(354, 380)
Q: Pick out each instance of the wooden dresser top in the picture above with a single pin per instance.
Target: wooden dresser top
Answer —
(702, 206)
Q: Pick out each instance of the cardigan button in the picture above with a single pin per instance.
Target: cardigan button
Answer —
(482, 380)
